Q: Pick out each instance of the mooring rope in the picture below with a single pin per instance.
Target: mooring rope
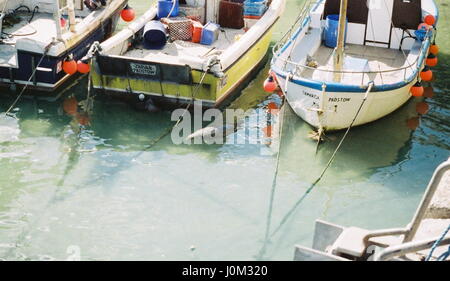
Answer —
(186, 109)
(291, 211)
(274, 181)
(7, 112)
(436, 244)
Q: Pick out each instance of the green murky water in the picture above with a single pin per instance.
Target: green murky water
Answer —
(95, 193)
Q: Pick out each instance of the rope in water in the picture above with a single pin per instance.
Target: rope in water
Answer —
(436, 244)
(291, 211)
(7, 112)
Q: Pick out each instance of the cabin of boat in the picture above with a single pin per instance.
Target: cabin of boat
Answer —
(55, 29)
(168, 77)
(382, 48)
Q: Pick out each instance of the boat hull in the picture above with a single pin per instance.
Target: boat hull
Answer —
(50, 76)
(177, 91)
(333, 111)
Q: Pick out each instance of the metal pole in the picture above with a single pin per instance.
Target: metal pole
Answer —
(57, 19)
(339, 51)
(71, 13)
(410, 247)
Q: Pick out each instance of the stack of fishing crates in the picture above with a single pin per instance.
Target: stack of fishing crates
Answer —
(253, 11)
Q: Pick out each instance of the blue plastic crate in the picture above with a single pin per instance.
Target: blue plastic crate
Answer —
(254, 8)
(210, 33)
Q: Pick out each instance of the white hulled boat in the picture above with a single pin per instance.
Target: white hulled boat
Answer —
(350, 62)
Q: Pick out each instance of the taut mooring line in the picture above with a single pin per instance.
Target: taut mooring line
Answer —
(292, 210)
(29, 79)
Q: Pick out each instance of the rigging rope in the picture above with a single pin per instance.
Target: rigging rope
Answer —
(291, 211)
(436, 244)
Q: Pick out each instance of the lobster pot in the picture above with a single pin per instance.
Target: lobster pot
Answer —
(180, 28)
(194, 13)
(155, 35)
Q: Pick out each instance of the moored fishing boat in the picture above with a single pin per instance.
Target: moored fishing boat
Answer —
(350, 62)
(39, 36)
(204, 63)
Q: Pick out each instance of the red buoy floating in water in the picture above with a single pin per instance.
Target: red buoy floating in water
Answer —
(69, 66)
(422, 107)
(430, 20)
(434, 49)
(432, 60)
(417, 90)
(83, 66)
(413, 123)
(426, 74)
(428, 92)
(270, 85)
(127, 14)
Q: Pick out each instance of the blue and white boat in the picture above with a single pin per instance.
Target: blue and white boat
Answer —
(41, 34)
(351, 62)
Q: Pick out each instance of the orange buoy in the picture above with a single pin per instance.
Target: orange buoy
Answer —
(413, 123)
(70, 106)
(422, 107)
(270, 85)
(272, 108)
(432, 60)
(430, 20)
(83, 66)
(69, 66)
(426, 74)
(434, 49)
(127, 14)
(417, 90)
(428, 92)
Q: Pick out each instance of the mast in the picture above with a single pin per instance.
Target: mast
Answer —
(339, 50)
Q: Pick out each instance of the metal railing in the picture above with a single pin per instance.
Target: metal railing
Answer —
(278, 51)
(410, 231)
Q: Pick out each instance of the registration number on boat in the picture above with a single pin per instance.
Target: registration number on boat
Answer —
(145, 69)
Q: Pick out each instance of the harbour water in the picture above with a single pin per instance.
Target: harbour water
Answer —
(96, 193)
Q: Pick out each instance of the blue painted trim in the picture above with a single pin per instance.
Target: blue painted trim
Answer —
(300, 29)
(338, 87)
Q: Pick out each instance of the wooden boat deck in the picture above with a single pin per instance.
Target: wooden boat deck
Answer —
(175, 52)
(359, 58)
